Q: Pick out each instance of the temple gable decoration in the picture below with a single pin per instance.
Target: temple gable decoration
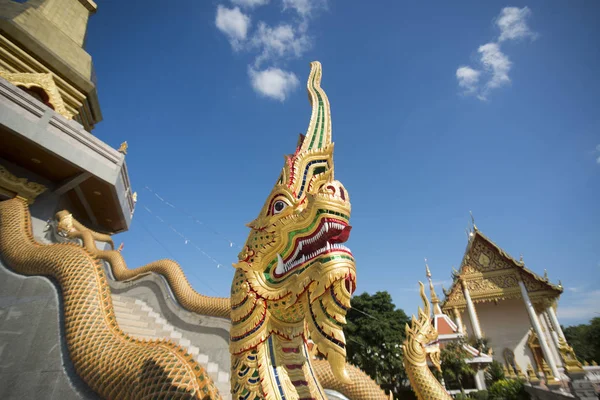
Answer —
(490, 274)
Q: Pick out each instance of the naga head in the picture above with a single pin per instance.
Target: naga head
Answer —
(64, 224)
(61, 227)
(294, 259)
(421, 338)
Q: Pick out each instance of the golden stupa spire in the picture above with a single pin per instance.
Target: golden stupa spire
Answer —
(434, 299)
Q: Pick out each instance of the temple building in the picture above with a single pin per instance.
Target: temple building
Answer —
(495, 299)
(48, 108)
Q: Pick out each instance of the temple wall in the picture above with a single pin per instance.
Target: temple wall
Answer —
(506, 325)
(34, 361)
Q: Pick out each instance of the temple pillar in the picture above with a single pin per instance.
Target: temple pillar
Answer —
(472, 312)
(551, 338)
(458, 320)
(554, 321)
(480, 380)
(538, 331)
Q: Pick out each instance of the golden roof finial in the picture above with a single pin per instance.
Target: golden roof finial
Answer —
(434, 299)
(473, 220)
(123, 148)
(559, 283)
(546, 275)
(455, 272)
(134, 197)
(521, 258)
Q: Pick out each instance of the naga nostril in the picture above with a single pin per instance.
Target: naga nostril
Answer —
(332, 188)
(343, 194)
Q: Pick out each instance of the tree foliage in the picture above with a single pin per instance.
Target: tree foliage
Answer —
(374, 336)
(454, 366)
(508, 390)
(494, 373)
(585, 340)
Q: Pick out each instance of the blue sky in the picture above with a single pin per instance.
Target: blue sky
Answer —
(437, 109)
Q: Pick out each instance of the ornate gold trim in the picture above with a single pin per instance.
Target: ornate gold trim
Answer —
(123, 148)
(531, 375)
(44, 82)
(572, 364)
(20, 186)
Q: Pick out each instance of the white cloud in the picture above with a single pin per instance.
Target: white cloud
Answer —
(512, 22)
(495, 65)
(584, 307)
(468, 78)
(234, 24)
(279, 42)
(304, 7)
(273, 82)
(250, 3)
(270, 44)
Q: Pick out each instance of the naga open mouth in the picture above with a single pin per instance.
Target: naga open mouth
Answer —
(327, 238)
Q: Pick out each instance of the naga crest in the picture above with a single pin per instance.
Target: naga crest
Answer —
(421, 338)
(294, 276)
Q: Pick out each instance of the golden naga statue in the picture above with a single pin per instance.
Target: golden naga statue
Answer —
(294, 276)
(294, 279)
(421, 341)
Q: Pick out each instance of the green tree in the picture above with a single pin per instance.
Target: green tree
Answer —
(508, 390)
(374, 336)
(585, 340)
(494, 373)
(454, 365)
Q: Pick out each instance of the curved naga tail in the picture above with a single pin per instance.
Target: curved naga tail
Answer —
(113, 364)
(420, 340)
(183, 291)
(361, 388)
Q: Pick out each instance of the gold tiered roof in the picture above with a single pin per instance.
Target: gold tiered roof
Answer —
(491, 274)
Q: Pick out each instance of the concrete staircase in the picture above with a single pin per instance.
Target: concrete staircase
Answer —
(139, 320)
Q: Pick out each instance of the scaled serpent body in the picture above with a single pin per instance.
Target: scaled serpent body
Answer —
(112, 363)
(183, 291)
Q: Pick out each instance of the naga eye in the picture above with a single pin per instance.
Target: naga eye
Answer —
(279, 206)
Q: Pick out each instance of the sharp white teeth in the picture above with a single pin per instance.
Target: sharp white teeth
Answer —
(326, 227)
(280, 267)
(328, 246)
